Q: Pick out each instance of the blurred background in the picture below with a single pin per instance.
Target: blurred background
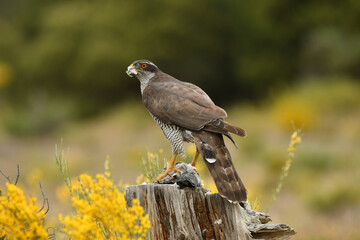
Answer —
(62, 76)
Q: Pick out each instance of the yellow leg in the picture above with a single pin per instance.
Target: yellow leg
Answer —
(193, 163)
(170, 168)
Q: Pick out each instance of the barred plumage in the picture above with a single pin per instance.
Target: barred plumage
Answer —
(185, 112)
(176, 136)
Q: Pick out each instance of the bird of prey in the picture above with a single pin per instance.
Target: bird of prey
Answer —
(185, 113)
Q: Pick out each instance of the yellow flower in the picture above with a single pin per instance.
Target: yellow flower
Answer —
(294, 135)
(140, 179)
(102, 213)
(19, 217)
(297, 140)
(294, 140)
(151, 155)
(291, 149)
(161, 150)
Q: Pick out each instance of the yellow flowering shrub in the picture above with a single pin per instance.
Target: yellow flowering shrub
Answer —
(289, 108)
(102, 212)
(19, 216)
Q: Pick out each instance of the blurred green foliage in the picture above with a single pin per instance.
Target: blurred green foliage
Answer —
(79, 50)
(271, 61)
(339, 196)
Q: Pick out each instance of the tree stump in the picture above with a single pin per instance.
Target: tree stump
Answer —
(192, 213)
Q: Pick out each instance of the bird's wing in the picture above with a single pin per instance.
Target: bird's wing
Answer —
(182, 104)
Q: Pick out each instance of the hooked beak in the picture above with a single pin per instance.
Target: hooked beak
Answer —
(131, 70)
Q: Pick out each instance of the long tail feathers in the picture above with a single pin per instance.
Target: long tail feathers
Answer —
(220, 126)
(218, 160)
(236, 130)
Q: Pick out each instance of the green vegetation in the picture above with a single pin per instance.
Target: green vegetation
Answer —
(61, 60)
(152, 167)
(294, 141)
(268, 63)
(321, 182)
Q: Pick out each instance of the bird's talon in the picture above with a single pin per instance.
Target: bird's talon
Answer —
(167, 171)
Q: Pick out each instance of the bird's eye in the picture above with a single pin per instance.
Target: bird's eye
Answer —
(143, 65)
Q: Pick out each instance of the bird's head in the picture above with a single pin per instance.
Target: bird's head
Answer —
(142, 69)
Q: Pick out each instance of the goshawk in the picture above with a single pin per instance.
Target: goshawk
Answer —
(185, 113)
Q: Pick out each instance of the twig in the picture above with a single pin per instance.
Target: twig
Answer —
(8, 177)
(48, 206)
(51, 235)
(18, 174)
(45, 201)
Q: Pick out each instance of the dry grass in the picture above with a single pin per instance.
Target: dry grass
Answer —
(319, 186)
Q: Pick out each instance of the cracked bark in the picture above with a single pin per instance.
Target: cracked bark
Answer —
(191, 213)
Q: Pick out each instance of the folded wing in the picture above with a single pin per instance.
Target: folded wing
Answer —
(179, 103)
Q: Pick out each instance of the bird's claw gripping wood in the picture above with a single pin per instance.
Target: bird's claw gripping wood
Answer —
(169, 168)
(161, 176)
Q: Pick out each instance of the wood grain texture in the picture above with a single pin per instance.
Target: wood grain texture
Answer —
(191, 213)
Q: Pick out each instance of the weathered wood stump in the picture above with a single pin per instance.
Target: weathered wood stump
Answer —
(191, 213)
